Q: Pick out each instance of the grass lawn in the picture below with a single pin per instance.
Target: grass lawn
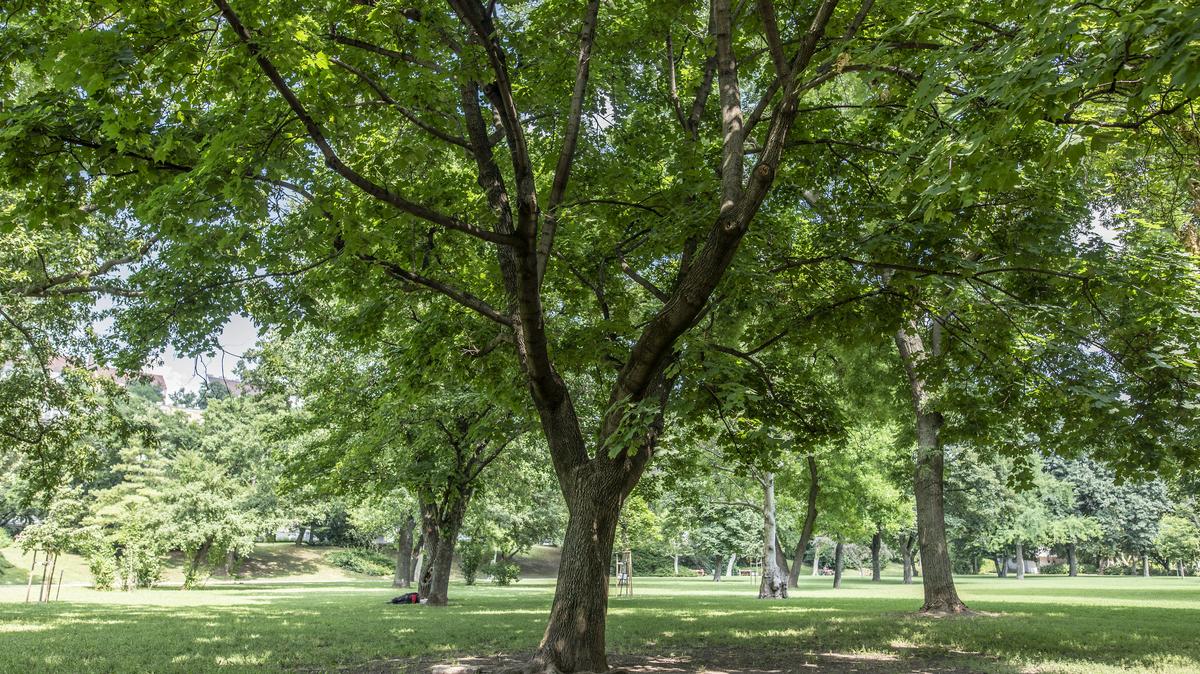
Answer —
(1041, 624)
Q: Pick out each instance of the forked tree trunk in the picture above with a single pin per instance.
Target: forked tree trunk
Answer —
(810, 520)
(876, 544)
(781, 559)
(404, 550)
(1072, 560)
(936, 570)
(300, 536)
(1020, 548)
(774, 583)
(440, 525)
(1001, 566)
(838, 563)
(907, 542)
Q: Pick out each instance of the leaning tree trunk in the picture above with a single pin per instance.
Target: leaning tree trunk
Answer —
(838, 563)
(729, 568)
(928, 478)
(1072, 560)
(781, 559)
(1020, 548)
(300, 536)
(774, 583)
(404, 551)
(876, 543)
(810, 519)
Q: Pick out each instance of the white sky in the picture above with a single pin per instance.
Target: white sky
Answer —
(188, 373)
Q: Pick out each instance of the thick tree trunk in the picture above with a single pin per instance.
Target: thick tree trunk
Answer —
(810, 519)
(574, 638)
(936, 570)
(1072, 560)
(717, 569)
(838, 564)
(876, 544)
(774, 583)
(404, 550)
(300, 536)
(1001, 566)
(781, 559)
(1020, 550)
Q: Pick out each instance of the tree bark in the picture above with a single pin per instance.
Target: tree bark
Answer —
(300, 536)
(1001, 566)
(1072, 560)
(441, 524)
(729, 568)
(816, 567)
(838, 563)
(936, 570)
(717, 569)
(404, 551)
(876, 544)
(810, 520)
(1020, 550)
(1145, 566)
(907, 542)
(774, 583)
(574, 638)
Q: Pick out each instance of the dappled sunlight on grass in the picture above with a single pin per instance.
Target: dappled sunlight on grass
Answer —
(1027, 627)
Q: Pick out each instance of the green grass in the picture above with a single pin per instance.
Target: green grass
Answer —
(1041, 624)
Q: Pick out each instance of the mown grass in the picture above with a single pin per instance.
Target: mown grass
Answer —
(1041, 624)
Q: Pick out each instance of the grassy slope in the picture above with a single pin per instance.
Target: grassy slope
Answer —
(1043, 624)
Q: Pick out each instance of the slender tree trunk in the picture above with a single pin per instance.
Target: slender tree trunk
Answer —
(1145, 566)
(907, 542)
(1179, 566)
(1001, 566)
(676, 569)
(936, 570)
(876, 543)
(1072, 560)
(810, 519)
(1020, 549)
(838, 564)
(729, 569)
(816, 567)
(404, 550)
(774, 583)
(300, 536)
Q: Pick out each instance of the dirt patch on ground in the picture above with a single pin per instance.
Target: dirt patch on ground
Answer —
(726, 661)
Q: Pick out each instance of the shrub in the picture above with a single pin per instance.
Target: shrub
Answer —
(503, 573)
(5, 538)
(358, 560)
(470, 557)
(103, 566)
(1058, 569)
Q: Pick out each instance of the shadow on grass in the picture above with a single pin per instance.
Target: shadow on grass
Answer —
(357, 631)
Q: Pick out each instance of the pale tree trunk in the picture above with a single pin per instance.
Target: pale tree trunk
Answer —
(729, 568)
(1020, 550)
(1145, 566)
(1179, 569)
(936, 570)
(907, 542)
(838, 564)
(816, 567)
(1072, 560)
(774, 582)
(676, 561)
(810, 519)
(780, 558)
(876, 567)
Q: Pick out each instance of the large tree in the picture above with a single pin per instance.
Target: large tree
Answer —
(285, 150)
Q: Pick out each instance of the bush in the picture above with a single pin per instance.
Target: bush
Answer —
(5, 538)
(366, 562)
(103, 566)
(1059, 569)
(503, 573)
(470, 557)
